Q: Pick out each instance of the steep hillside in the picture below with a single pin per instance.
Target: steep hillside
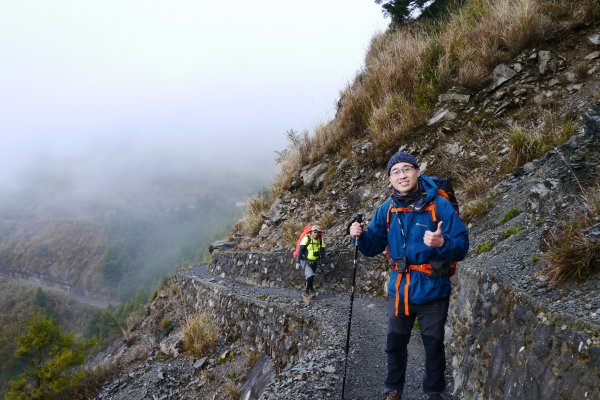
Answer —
(531, 104)
(61, 252)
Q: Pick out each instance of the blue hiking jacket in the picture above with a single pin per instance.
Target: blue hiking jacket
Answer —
(423, 288)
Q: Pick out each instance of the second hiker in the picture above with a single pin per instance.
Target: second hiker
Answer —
(310, 252)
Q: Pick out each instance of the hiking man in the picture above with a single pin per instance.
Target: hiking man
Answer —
(309, 254)
(419, 254)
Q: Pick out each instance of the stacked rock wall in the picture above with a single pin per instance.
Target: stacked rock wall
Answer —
(507, 346)
(283, 335)
(277, 269)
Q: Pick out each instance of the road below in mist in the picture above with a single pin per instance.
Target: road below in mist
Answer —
(75, 294)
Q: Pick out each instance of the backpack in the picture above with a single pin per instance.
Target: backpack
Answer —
(305, 231)
(445, 190)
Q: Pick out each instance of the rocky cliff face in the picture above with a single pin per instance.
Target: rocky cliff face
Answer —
(511, 333)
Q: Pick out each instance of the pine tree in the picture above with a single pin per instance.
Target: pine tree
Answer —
(52, 356)
(403, 11)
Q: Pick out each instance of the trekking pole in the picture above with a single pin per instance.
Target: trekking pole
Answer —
(359, 219)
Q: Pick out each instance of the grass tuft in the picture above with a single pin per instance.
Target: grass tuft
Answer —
(327, 220)
(253, 220)
(527, 144)
(512, 231)
(253, 357)
(200, 335)
(291, 231)
(485, 247)
(591, 200)
(571, 255)
(510, 214)
(231, 390)
(476, 209)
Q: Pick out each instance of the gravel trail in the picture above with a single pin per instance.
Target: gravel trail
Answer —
(367, 358)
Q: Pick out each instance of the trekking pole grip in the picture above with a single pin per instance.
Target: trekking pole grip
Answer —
(359, 218)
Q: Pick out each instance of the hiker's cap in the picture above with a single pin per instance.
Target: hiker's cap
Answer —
(399, 157)
(316, 228)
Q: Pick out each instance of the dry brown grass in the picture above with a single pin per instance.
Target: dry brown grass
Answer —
(529, 143)
(571, 254)
(291, 159)
(252, 356)
(253, 220)
(200, 335)
(568, 13)
(291, 230)
(138, 352)
(581, 68)
(473, 186)
(231, 390)
(476, 209)
(327, 220)
(393, 119)
(591, 200)
(485, 33)
(406, 69)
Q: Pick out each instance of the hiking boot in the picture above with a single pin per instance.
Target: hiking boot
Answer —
(313, 294)
(433, 396)
(306, 297)
(393, 395)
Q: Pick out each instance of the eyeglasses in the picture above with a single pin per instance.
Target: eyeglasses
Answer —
(404, 170)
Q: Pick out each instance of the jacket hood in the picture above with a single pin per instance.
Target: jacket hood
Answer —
(429, 187)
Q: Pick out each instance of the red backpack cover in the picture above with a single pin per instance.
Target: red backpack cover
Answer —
(305, 231)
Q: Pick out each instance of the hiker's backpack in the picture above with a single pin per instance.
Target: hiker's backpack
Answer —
(446, 191)
(305, 231)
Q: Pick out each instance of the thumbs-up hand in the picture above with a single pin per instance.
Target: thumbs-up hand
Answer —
(434, 239)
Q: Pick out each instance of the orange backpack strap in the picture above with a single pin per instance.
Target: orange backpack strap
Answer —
(425, 268)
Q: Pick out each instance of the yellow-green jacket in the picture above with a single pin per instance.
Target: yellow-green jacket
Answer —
(310, 249)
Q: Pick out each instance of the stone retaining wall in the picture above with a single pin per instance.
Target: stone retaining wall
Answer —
(278, 333)
(269, 269)
(507, 347)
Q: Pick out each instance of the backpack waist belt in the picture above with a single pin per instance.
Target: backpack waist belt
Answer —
(425, 268)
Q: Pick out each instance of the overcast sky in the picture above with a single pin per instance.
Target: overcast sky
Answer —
(217, 81)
